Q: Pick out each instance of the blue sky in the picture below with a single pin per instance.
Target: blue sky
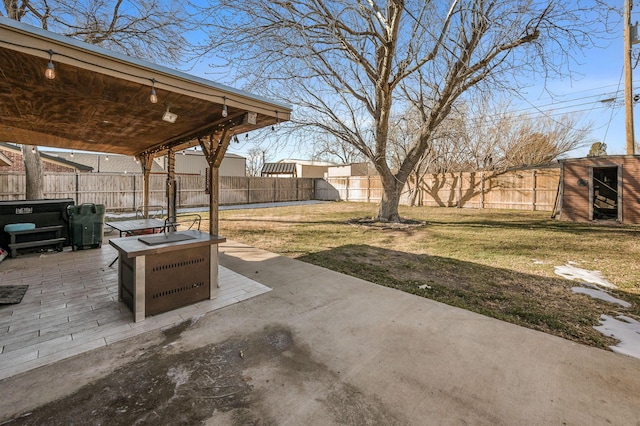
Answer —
(597, 76)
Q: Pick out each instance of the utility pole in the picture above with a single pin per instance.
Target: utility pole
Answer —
(628, 78)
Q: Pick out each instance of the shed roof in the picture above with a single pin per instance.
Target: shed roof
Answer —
(99, 100)
(279, 169)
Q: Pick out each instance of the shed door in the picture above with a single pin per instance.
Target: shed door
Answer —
(605, 193)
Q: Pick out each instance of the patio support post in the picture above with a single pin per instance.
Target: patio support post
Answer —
(214, 153)
(146, 161)
(171, 186)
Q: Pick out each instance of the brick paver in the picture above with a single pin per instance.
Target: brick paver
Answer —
(72, 307)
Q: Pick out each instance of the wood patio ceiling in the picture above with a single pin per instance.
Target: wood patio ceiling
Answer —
(100, 103)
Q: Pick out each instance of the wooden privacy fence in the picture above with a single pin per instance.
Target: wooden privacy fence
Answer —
(124, 191)
(521, 190)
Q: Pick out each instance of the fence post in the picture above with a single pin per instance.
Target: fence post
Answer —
(533, 190)
(482, 190)
(368, 189)
(459, 190)
(346, 192)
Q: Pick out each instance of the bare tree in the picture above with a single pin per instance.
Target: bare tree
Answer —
(256, 158)
(149, 29)
(348, 64)
(537, 141)
(328, 148)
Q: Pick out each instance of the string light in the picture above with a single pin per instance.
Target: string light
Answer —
(50, 72)
(153, 98)
(71, 155)
(33, 149)
(224, 107)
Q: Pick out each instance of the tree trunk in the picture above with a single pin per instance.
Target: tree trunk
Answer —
(391, 191)
(34, 174)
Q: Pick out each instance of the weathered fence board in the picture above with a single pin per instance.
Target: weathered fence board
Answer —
(521, 190)
(124, 191)
(524, 190)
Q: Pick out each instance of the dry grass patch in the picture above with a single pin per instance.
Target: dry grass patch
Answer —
(498, 263)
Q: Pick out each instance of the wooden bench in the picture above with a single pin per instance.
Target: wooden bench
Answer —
(44, 232)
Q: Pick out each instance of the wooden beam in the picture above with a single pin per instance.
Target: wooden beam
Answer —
(146, 162)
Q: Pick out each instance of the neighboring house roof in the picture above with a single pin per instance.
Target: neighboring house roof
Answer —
(104, 163)
(279, 169)
(4, 161)
(47, 156)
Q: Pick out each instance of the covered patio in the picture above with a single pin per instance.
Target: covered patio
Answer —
(56, 91)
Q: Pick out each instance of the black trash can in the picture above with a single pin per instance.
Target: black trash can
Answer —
(86, 223)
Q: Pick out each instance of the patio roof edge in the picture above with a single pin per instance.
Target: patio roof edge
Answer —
(140, 63)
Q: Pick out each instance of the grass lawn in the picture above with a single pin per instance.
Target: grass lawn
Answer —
(495, 262)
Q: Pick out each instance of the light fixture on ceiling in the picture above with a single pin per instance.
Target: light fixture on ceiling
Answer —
(71, 155)
(224, 107)
(50, 72)
(153, 98)
(169, 116)
(33, 149)
(184, 152)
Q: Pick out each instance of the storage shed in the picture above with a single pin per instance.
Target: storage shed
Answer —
(600, 188)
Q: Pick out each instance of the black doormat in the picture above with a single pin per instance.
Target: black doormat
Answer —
(11, 294)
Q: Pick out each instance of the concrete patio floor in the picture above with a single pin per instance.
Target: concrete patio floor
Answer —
(324, 348)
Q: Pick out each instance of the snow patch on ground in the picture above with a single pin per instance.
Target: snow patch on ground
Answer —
(599, 294)
(571, 272)
(625, 329)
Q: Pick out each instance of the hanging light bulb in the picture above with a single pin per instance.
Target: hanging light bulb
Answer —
(153, 98)
(184, 152)
(71, 155)
(50, 72)
(106, 158)
(33, 149)
(224, 107)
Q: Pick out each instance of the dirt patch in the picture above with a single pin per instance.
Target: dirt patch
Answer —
(237, 381)
(375, 223)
